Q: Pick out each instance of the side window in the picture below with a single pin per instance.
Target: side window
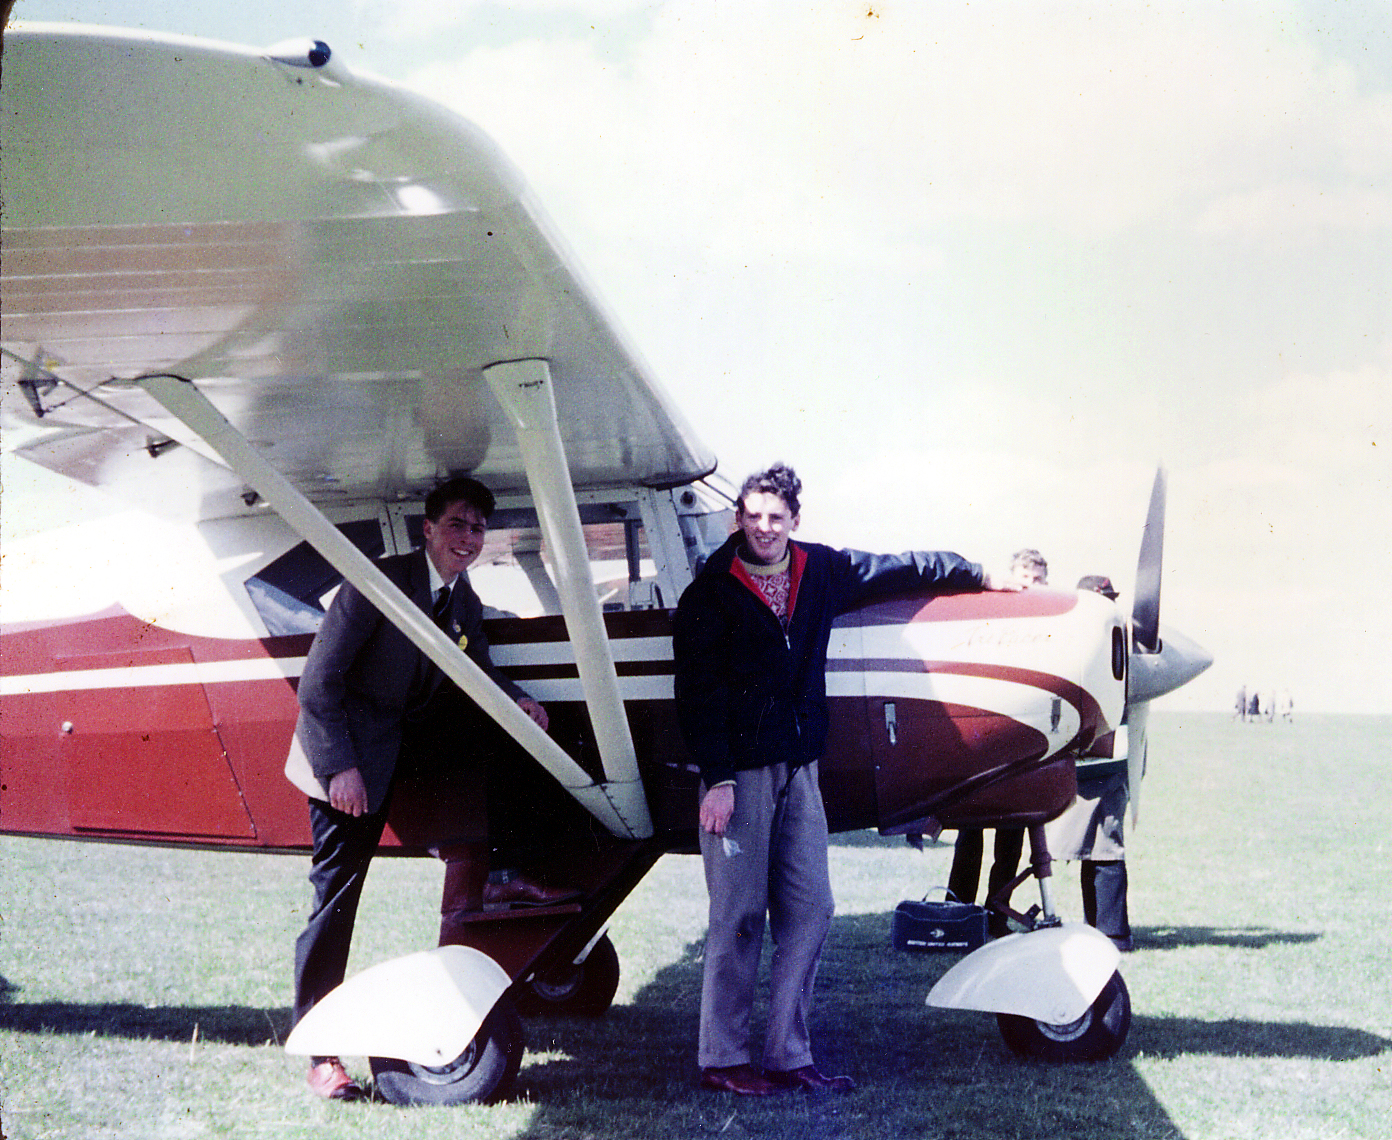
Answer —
(513, 574)
(290, 593)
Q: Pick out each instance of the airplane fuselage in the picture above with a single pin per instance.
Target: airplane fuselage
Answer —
(950, 709)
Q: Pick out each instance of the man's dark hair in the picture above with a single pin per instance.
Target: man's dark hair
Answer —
(780, 480)
(460, 489)
(1099, 583)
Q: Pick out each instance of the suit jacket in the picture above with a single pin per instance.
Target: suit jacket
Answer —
(363, 679)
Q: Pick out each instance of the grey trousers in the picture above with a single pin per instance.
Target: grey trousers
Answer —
(772, 860)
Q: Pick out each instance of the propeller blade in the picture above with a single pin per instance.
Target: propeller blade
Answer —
(1145, 612)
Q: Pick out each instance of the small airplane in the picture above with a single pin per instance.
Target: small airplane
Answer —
(269, 303)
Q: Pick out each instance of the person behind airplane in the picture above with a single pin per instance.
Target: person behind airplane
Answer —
(1091, 830)
(375, 711)
(1029, 568)
(750, 641)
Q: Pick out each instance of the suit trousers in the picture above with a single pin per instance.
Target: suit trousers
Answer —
(771, 861)
(343, 850)
(436, 801)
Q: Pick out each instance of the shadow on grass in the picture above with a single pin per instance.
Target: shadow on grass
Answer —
(1239, 937)
(1169, 1037)
(227, 1024)
(868, 837)
(921, 1071)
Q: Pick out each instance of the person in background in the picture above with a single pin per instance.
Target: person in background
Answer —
(1091, 831)
(1028, 568)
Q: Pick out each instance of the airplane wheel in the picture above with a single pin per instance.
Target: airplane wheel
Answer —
(568, 990)
(1098, 1034)
(483, 1072)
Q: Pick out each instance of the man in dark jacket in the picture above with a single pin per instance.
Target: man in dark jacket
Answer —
(371, 704)
(750, 639)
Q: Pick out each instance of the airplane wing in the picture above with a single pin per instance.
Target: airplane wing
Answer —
(234, 278)
(330, 259)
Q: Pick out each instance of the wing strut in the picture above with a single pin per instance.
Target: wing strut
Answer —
(187, 404)
(524, 389)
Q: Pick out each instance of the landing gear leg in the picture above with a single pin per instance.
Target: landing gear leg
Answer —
(1102, 1029)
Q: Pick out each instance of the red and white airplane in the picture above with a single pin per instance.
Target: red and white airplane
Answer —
(271, 303)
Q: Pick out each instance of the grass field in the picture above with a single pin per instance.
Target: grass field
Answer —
(143, 993)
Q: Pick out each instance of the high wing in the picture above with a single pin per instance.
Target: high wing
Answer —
(235, 278)
(331, 259)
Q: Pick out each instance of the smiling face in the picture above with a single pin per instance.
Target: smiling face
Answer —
(455, 539)
(767, 525)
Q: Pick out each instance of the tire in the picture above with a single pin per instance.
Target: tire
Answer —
(568, 990)
(483, 1072)
(1098, 1034)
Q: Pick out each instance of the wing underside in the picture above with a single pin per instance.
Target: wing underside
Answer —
(332, 260)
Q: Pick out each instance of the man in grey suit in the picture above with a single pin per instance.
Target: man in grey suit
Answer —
(373, 711)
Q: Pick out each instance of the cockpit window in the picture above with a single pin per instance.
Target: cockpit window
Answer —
(291, 592)
(513, 573)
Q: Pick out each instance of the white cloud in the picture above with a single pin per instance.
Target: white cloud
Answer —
(787, 135)
(1294, 208)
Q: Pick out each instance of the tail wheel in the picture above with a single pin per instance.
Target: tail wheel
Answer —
(1098, 1034)
(483, 1072)
(571, 990)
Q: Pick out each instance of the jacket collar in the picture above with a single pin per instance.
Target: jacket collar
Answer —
(797, 562)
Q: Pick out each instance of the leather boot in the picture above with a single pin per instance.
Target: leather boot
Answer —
(466, 872)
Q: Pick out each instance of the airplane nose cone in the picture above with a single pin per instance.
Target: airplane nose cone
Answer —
(1179, 661)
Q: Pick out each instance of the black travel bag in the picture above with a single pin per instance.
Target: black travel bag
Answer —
(923, 925)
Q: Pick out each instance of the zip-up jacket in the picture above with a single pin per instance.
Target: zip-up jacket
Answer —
(750, 694)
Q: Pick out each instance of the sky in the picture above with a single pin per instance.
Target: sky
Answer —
(977, 269)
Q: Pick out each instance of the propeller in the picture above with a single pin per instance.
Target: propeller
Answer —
(1145, 612)
(1157, 665)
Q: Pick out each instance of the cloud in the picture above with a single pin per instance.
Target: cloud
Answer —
(780, 128)
(1297, 208)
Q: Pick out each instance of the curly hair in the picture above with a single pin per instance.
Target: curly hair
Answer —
(780, 480)
(1031, 558)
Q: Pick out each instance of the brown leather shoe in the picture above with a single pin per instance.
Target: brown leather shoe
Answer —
(519, 890)
(742, 1079)
(811, 1078)
(329, 1080)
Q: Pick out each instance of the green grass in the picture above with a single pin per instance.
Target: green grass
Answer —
(144, 992)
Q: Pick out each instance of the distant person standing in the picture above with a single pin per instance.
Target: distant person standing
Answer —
(1027, 568)
(1091, 831)
(1285, 706)
(1240, 708)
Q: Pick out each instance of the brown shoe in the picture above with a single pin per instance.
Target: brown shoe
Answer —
(742, 1079)
(521, 891)
(329, 1080)
(811, 1078)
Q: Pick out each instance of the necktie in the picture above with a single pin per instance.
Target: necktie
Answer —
(441, 611)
